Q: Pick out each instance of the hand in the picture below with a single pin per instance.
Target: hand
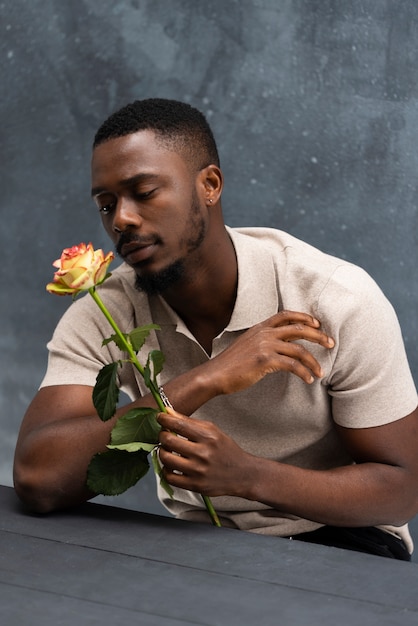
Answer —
(266, 348)
(198, 456)
(380, 487)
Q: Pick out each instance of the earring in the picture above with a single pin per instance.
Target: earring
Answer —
(210, 200)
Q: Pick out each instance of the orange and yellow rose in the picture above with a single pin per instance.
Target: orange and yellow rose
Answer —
(79, 269)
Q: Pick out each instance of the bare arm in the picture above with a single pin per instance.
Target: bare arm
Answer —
(59, 435)
(61, 431)
(381, 488)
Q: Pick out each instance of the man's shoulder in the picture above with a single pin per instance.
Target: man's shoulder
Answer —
(277, 240)
(285, 248)
(299, 265)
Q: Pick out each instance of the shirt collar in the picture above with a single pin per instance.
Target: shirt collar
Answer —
(257, 293)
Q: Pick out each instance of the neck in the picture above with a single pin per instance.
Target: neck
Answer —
(206, 296)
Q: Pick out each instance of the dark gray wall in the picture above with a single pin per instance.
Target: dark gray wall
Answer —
(313, 103)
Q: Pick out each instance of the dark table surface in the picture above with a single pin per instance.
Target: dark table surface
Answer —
(98, 564)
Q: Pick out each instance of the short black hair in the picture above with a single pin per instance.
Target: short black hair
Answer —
(179, 126)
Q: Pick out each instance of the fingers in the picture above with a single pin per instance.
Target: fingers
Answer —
(177, 445)
(291, 317)
(175, 422)
(180, 434)
(304, 365)
(278, 349)
(293, 325)
(281, 331)
(293, 332)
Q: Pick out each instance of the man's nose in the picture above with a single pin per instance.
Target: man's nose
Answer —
(126, 216)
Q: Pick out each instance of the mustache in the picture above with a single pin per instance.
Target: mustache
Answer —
(127, 238)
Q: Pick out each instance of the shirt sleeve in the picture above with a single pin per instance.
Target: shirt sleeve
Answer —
(76, 354)
(369, 380)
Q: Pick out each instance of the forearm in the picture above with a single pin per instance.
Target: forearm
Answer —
(50, 468)
(367, 494)
(61, 433)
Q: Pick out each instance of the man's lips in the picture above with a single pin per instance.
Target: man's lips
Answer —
(135, 252)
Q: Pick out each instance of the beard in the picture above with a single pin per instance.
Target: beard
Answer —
(158, 282)
(155, 283)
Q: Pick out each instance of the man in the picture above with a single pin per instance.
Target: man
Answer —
(290, 361)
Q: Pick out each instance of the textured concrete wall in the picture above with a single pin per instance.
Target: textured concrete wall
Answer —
(313, 103)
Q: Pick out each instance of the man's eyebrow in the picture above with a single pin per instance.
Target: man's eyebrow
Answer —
(145, 177)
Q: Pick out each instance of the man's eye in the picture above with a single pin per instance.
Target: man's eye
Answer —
(143, 195)
(106, 208)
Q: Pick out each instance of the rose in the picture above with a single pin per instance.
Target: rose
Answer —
(79, 269)
(136, 433)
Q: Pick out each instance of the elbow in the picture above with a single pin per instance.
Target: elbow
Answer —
(31, 489)
(30, 494)
(44, 482)
(31, 478)
(42, 492)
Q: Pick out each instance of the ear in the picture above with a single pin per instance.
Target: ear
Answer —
(210, 183)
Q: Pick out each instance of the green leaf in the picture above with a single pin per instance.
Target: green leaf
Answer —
(134, 446)
(113, 472)
(106, 391)
(117, 340)
(158, 469)
(138, 335)
(137, 425)
(157, 358)
(147, 374)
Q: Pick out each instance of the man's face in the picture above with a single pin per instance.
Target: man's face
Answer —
(150, 207)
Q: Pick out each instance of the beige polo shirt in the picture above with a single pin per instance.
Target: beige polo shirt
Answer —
(367, 379)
